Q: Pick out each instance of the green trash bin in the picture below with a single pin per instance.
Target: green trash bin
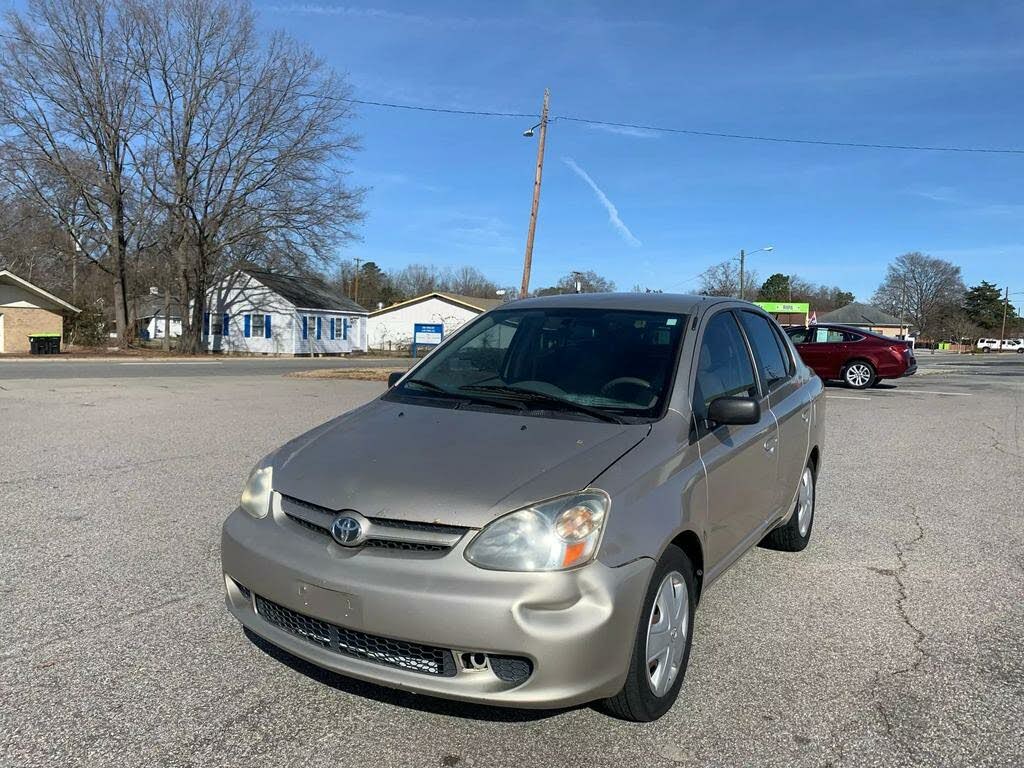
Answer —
(44, 343)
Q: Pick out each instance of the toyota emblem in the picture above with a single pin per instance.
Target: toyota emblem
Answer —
(347, 531)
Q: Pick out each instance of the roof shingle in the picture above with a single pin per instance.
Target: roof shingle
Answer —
(304, 292)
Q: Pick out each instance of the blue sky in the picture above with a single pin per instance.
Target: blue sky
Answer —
(454, 190)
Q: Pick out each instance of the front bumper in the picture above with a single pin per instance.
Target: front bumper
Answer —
(576, 627)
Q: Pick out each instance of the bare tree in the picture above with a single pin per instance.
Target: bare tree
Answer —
(921, 289)
(470, 281)
(73, 110)
(589, 282)
(417, 279)
(250, 145)
(723, 279)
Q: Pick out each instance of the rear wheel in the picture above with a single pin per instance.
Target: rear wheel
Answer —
(858, 374)
(661, 648)
(796, 533)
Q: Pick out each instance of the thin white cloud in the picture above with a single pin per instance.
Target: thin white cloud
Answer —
(613, 212)
(625, 130)
(375, 14)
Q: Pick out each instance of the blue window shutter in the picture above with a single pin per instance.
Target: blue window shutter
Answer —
(247, 327)
(305, 327)
(319, 327)
(344, 328)
(332, 329)
(225, 330)
(206, 323)
(266, 326)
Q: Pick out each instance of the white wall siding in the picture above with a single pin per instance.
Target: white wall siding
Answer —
(325, 345)
(395, 326)
(155, 327)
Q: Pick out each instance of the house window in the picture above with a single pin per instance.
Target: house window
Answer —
(257, 326)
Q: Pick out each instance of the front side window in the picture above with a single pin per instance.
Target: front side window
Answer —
(800, 335)
(724, 368)
(596, 362)
(772, 359)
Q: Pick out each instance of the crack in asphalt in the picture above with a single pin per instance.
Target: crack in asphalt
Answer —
(902, 597)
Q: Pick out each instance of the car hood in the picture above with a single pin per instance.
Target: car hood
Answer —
(460, 467)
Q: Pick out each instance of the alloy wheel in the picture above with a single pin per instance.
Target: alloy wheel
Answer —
(858, 375)
(805, 502)
(667, 633)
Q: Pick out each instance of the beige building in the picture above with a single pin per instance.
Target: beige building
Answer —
(27, 310)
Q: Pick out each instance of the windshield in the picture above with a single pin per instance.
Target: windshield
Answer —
(582, 363)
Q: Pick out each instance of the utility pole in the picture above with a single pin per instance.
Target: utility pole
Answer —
(743, 259)
(355, 285)
(1006, 303)
(528, 257)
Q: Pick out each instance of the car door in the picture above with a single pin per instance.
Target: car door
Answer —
(789, 401)
(741, 461)
(813, 355)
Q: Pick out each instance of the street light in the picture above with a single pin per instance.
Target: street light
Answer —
(743, 258)
(528, 133)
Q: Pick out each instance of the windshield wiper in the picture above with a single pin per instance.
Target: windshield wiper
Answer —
(533, 396)
(428, 385)
(461, 398)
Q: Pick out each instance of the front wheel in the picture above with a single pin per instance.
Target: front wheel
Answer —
(661, 648)
(859, 374)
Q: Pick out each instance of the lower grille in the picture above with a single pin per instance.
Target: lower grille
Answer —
(511, 669)
(414, 657)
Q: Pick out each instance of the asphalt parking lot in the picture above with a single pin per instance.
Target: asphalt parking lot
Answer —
(897, 638)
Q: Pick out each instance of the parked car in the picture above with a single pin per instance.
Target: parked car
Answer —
(530, 516)
(857, 357)
(995, 345)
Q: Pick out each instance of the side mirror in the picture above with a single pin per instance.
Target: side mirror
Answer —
(734, 410)
(393, 378)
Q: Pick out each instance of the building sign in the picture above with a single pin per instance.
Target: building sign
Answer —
(786, 312)
(788, 307)
(427, 333)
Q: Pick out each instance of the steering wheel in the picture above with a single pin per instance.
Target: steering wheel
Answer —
(625, 380)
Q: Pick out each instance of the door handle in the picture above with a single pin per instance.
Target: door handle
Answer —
(806, 415)
(770, 443)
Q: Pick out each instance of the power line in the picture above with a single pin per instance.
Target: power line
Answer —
(786, 140)
(126, 66)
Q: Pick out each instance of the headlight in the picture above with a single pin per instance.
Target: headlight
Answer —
(256, 494)
(551, 536)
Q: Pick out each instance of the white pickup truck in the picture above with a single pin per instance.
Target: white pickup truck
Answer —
(1007, 345)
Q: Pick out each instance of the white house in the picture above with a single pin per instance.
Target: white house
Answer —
(392, 327)
(149, 314)
(267, 313)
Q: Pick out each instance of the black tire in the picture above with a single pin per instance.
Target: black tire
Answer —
(986, 349)
(787, 537)
(857, 366)
(636, 701)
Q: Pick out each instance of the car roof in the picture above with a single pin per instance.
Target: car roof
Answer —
(684, 304)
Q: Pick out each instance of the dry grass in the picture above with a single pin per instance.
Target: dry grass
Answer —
(359, 374)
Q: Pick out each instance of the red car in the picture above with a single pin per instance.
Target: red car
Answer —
(857, 357)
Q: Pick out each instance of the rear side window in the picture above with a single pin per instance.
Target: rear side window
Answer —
(772, 360)
(723, 366)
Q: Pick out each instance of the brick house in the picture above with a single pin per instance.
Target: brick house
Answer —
(25, 310)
